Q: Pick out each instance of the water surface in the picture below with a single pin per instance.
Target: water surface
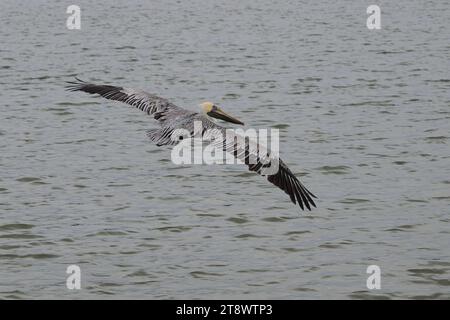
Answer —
(364, 121)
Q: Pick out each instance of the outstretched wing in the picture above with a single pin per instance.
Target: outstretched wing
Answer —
(259, 159)
(160, 108)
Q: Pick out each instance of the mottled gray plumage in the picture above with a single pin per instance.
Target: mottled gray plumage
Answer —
(172, 117)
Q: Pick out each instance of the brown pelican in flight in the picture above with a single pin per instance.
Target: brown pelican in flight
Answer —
(172, 117)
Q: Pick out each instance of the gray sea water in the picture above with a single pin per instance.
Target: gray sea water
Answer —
(364, 121)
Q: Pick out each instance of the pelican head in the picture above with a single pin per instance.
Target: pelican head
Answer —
(210, 109)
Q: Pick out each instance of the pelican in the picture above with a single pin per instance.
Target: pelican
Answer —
(172, 117)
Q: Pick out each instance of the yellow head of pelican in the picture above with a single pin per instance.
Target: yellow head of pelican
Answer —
(214, 111)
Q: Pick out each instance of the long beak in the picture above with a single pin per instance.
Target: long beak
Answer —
(220, 114)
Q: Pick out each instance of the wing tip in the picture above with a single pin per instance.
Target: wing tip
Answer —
(75, 85)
